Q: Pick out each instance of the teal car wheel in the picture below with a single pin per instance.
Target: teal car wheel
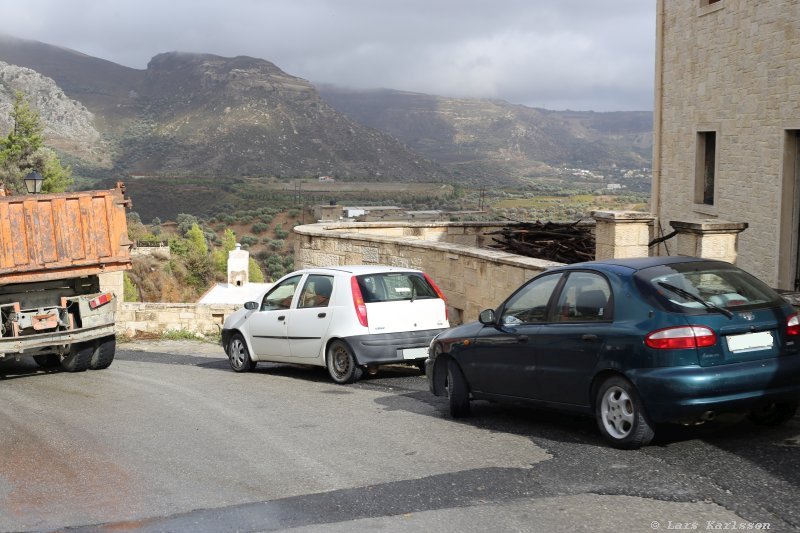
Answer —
(774, 414)
(620, 415)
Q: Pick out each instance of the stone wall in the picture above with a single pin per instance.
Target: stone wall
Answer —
(134, 318)
(114, 282)
(455, 254)
(472, 278)
(160, 252)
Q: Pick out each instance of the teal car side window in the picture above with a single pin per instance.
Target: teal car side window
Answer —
(529, 304)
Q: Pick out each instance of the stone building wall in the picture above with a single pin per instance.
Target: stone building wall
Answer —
(471, 277)
(732, 67)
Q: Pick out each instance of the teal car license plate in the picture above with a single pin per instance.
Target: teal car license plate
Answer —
(748, 342)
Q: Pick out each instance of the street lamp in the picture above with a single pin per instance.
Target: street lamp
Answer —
(33, 182)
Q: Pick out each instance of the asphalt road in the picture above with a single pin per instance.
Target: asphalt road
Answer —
(169, 439)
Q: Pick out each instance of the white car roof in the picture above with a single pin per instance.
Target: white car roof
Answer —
(357, 270)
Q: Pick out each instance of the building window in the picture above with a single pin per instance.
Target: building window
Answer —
(709, 6)
(706, 167)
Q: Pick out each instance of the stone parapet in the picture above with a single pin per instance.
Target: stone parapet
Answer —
(622, 234)
(472, 278)
(710, 239)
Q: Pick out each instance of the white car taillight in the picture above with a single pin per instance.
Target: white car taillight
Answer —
(440, 294)
(358, 302)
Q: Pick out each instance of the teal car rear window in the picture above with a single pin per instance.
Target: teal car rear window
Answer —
(694, 287)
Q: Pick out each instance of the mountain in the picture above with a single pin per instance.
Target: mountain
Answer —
(209, 114)
(200, 114)
(491, 136)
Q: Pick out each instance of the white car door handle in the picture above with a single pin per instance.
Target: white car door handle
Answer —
(321, 315)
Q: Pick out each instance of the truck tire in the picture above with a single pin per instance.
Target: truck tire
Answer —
(79, 357)
(104, 353)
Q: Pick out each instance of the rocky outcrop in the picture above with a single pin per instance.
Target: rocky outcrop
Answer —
(68, 125)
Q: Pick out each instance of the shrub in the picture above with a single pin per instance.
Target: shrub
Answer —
(260, 227)
(280, 232)
(130, 292)
(254, 272)
(248, 240)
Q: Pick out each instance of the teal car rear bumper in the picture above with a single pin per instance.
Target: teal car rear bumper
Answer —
(676, 393)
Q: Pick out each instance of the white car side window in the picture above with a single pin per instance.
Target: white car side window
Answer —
(280, 297)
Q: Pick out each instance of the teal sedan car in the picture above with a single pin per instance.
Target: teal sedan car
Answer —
(632, 343)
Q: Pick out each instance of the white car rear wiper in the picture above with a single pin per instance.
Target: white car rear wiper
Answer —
(695, 298)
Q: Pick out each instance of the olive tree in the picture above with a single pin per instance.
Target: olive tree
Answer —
(23, 151)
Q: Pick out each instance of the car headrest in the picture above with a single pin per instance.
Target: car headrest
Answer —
(323, 287)
(591, 303)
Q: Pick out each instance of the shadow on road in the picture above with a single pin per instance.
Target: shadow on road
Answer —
(734, 457)
(24, 368)
(316, 373)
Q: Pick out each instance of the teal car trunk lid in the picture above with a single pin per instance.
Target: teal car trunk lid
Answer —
(747, 336)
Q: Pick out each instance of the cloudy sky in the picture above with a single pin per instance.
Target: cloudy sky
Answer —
(556, 54)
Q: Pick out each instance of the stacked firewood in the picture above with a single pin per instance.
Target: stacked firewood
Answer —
(563, 242)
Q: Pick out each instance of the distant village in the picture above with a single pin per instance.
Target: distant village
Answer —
(612, 179)
(374, 213)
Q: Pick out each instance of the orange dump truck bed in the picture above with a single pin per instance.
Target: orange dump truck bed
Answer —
(52, 236)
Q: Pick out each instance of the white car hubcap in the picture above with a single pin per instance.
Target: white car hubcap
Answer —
(237, 353)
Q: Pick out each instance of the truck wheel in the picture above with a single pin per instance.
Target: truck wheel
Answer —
(104, 353)
(79, 357)
(49, 360)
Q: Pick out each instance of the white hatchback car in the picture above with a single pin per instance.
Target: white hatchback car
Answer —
(345, 318)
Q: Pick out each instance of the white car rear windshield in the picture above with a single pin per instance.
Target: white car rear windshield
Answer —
(393, 286)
